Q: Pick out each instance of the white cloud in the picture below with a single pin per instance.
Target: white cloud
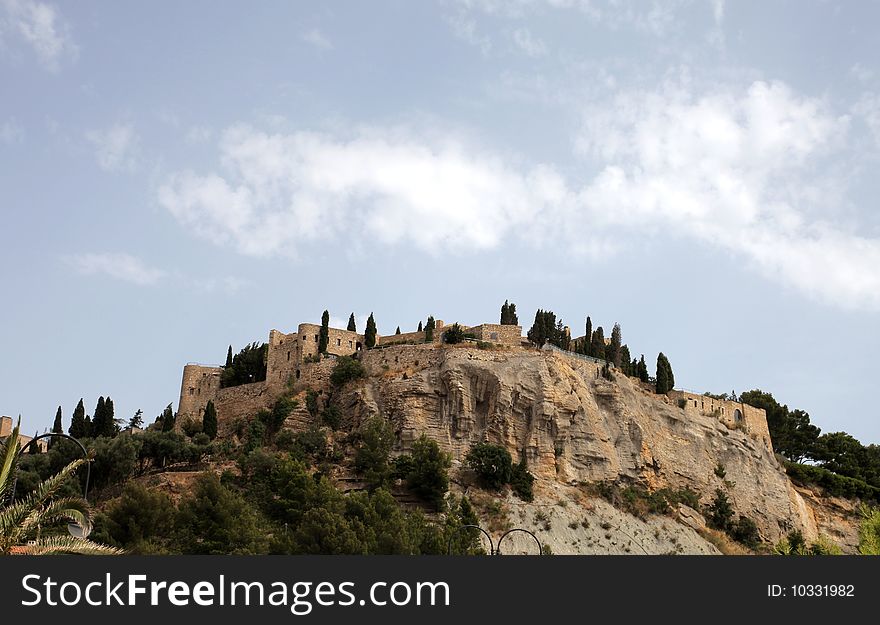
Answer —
(739, 169)
(528, 43)
(861, 73)
(868, 109)
(11, 132)
(120, 266)
(317, 39)
(40, 26)
(116, 147)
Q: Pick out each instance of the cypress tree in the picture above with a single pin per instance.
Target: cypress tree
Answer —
(614, 355)
(625, 363)
(228, 358)
(110, 414)
(102, 422)
(352, 327)
(370, 332)
(665, 379)
(588, 338)
(57, 428)
(642, 369)
(597, 344)
(398, 330)
(505, 307)
(421, 329)
(429, 330)
(324, 334)
(634, 368)
(209, 420)
(88, 428)
(513, 320)
(77, 427)
(167, 419)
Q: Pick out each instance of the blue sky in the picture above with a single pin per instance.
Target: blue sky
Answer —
(176, 177)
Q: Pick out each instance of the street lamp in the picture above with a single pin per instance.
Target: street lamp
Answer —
(494, 549)
(74, 529)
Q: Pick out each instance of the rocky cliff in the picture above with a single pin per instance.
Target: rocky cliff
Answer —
(573, 425)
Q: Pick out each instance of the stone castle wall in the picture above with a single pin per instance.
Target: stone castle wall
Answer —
(200, 383)
(731, 413)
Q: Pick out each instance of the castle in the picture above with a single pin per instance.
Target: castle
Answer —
(6, 427)
(293, 363)
(293, 359)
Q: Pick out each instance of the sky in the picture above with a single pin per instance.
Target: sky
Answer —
(178, 177)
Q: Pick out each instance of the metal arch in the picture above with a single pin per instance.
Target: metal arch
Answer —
(519, 529)
(60, 435)
(485, 533)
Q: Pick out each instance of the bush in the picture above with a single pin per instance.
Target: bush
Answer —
(492, 463)
(312, 403)
(401, 467)
(249, 365)
(191, 427)
(833, 483)
(521, 481)
(745, 531)
(429, 477)
(346, 370)
(331, 417)
(137, 520)
(371, 459)
(275, 418)
(454, 334)
(720, 512)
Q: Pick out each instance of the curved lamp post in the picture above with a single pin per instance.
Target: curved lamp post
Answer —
(75, 529)
(494, 550)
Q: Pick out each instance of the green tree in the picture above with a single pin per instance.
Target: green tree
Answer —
(345, 370)
(587, 347)
(615, 357)
(429, 477)
(370, 332)
(597, 343)
(665, 378)
(140, 520)
(167, 419)
(626, 361)
(869, 531)
(508, 314)
(209, 420)
(720, 512)
(492, 464)
(454, 334)
(429, 330)
(57, 428)
(324, 333)
(376, 437)
(103, 423)
(248, 365)
(352, 326)
(217, 520)
(546, 328)
(78, 427)
(228, 358)
(791, 432)
(137, 421)
(521, 481)
(398, 330)
(642, 370)
(420, 326)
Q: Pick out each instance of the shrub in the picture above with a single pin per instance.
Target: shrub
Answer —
(454, 334)
(371, 459)
(492, 463)
(833, 483)
(346, 370)
(720, 512)
(745, 532)
(429, 477)
(191, 427)
(249, 365)
(312, 403)
(682, 402)
(138, 517)
(331, 417)
(720, 471)
(521, 481)
(401, 467)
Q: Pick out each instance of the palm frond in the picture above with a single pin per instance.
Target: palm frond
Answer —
(50, 486)
(54, 545)
(9, 462)
(74, 509)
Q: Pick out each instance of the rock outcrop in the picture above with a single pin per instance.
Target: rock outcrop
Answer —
(573, 425)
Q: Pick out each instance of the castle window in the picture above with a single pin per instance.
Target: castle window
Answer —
(316, 338)
(338, 342)
(350, 345)
(304, 338)
(297, 374)
(737, 415)
(192, 391)
(288, 356)
(695, 403)
(199, 392)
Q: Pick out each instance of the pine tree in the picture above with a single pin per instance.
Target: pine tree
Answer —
(209, 420)
(370, 332)
(421, 329)
(642, 370)
(324, 334)
(429, 330)
(665, 379)
(352, 327)
(398, 330)
(588, 338)
(77, 427)
(614, 347)
(229, 357)
(137, 421)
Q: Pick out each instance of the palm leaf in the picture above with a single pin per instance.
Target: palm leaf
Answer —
(9, 462)
(54, 545)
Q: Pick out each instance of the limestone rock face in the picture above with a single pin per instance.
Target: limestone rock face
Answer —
(573, 425)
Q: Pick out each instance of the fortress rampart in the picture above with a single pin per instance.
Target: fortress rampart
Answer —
(733, 414)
